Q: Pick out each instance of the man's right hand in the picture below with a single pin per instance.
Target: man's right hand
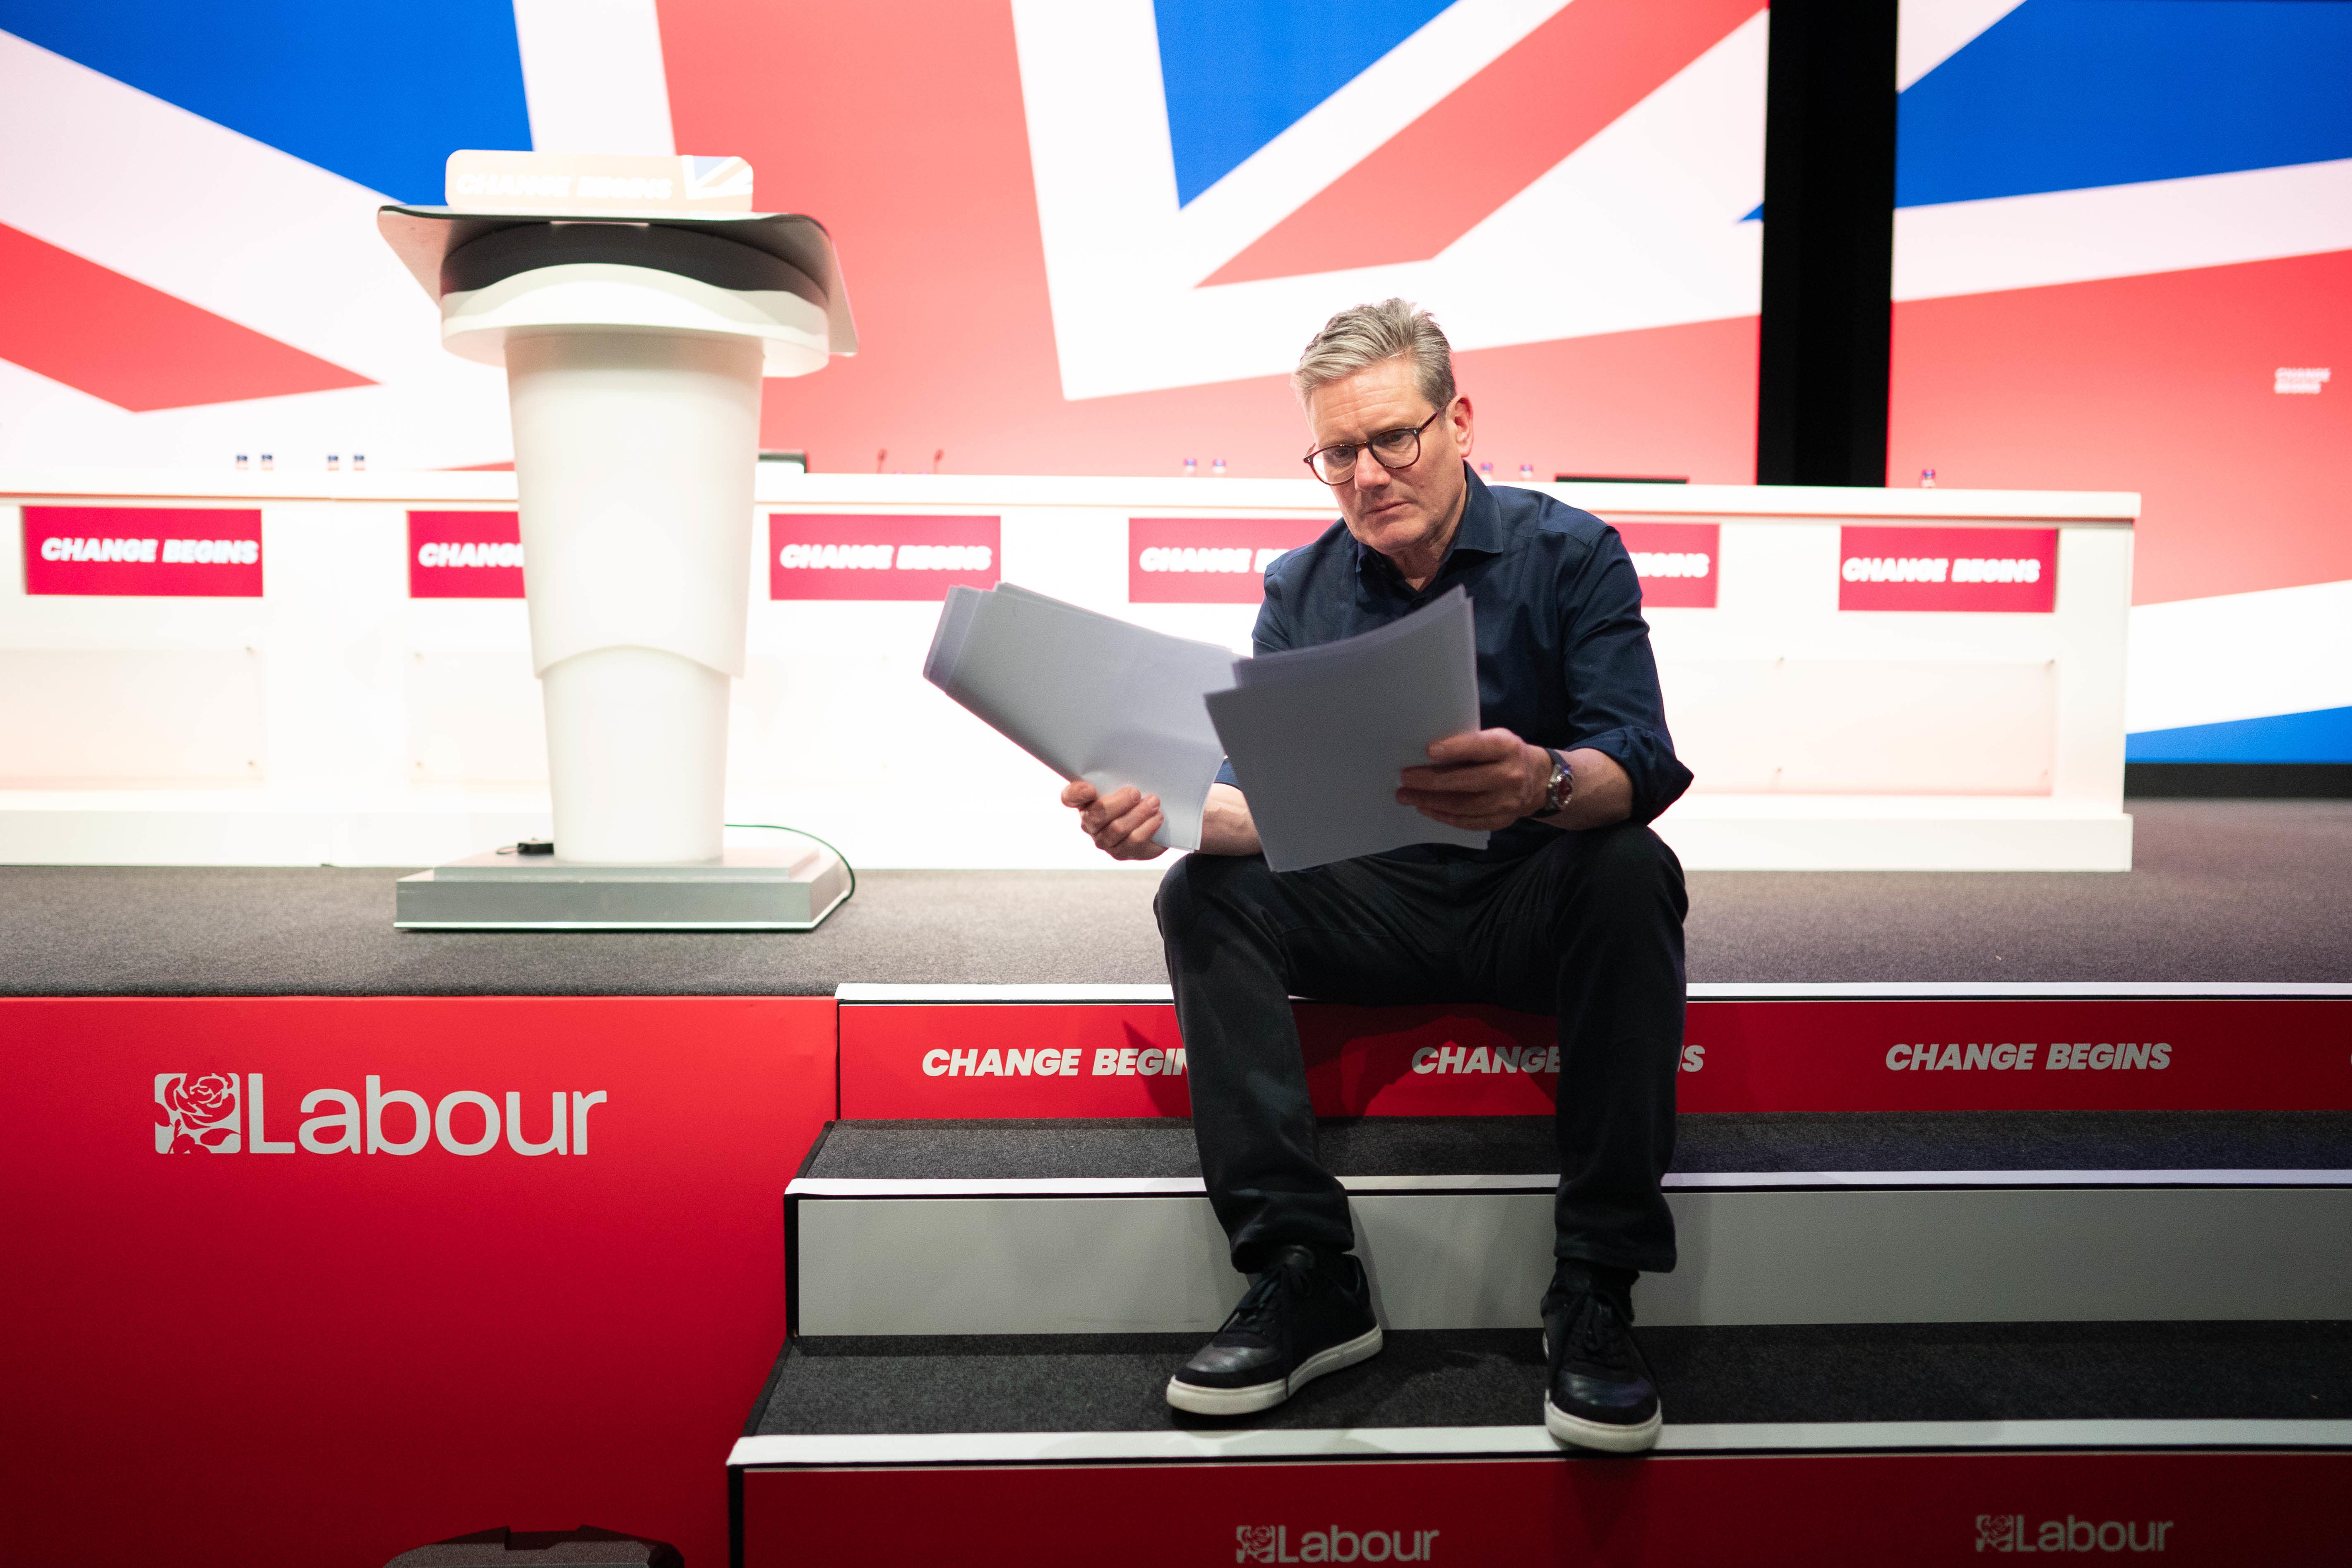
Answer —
(1121, 823)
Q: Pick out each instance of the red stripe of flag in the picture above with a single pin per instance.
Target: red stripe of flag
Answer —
(1492, 137)
(67, 317)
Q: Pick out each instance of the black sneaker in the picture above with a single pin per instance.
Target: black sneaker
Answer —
(1599, 1394)
(1307, 1314)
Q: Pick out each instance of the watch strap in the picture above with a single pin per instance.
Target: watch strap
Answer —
(1562, 786)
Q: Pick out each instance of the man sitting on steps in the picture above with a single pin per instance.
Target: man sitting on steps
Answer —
(1575, 908)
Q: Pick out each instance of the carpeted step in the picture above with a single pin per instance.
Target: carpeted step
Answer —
(918, 1387)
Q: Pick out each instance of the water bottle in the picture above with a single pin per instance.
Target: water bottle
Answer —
(1926, 478)
(241, 463)
(359, 462)
(1526, 473)
(268, 463)
(1217, 470)
(1487, 471)
(334, 461)
(1191, 469)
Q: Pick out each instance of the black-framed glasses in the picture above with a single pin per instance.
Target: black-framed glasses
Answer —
(1397, 449)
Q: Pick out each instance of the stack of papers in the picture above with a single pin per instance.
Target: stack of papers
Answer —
(1318, 736)
(1090, 696)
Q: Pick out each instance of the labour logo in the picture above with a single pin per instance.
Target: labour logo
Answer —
(196, 1111)
(1999, 1532)
(1271, 1543)
(2014, 1532)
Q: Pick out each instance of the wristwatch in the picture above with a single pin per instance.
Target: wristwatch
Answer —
(1561, 788)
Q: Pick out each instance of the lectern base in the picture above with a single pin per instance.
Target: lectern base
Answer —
(744, 890)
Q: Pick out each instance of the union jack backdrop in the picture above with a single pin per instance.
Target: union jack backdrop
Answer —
(1088, 236)
(1080, 236)
(2123, 260)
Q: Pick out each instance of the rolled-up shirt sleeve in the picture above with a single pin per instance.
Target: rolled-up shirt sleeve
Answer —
(1614, 704)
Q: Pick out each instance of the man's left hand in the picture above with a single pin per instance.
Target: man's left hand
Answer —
(1488, 778)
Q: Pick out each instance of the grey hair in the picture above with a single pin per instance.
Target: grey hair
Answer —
(1366, 335)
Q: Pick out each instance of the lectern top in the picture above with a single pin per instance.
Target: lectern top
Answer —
(424, 236)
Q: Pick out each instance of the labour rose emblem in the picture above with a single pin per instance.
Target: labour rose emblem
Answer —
(196, 1111)
(1254, 1543)
(2000, 1531)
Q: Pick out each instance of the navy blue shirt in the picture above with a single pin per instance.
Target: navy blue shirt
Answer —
(1563, 653)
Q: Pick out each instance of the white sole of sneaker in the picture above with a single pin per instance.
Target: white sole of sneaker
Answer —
(1196, 1400)
(1576, 1431)
(1605, 1437)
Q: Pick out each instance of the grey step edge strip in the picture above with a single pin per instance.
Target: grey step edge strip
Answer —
(1762, 1181)
(831, 1450)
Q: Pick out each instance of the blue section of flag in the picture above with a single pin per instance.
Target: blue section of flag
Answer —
(2062, 95)
(1237, 73)
(2322, 736)
(381, 91)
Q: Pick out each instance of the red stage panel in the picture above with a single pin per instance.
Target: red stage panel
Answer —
(813, 555)
(143, 552)
(1208, 560)
(2068, 1054)
(138, 348)
(1752, 1511)
(1679, 564)
(279, 1356)
(1958, 570)
(465, 555)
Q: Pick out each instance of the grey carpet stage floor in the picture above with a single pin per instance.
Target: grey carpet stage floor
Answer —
(1800, 1140)
(2224, 890)
(1895, 1371)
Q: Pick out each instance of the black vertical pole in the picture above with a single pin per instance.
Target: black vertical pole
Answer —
(1828, 243)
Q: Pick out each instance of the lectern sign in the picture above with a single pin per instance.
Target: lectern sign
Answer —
(465, 555)
(1978, 569)
(1208, 560)
(143, 552)
(824, 555)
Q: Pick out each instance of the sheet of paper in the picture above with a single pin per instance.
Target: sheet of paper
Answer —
(1088, 695)
(1319, 735)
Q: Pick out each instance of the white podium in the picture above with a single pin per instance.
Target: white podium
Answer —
(634, 346)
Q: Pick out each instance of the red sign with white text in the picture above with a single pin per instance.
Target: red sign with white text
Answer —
(1972, 569)
(143, 552)
(1209, 560)
(1760, 1511)
(1676, 561)
(465, 555)
(502, 1228)
(814, 555)
(1054, 1059)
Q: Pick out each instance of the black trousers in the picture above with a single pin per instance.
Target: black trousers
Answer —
(1589, 929)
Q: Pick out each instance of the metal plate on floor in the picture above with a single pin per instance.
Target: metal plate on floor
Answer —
(744, 890)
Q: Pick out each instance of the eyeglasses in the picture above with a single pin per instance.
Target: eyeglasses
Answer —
(1398, 449)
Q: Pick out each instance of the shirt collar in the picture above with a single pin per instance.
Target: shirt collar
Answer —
(1480, 533)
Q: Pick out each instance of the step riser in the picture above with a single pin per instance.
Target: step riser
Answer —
(1756, 1510)
(1464, 1260)
(919, 1061)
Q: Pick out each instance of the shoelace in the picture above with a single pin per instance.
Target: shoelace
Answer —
(1596, 1334)
(1255, 1313)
